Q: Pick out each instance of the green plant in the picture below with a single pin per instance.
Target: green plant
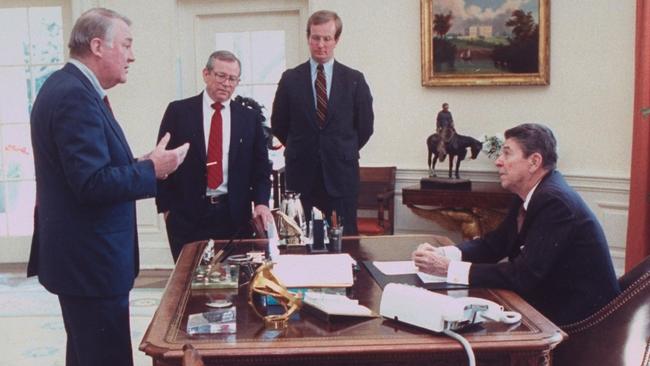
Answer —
(492, 145)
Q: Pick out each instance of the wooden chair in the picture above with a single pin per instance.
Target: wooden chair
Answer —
(616, 335)
(377, 192)
(191, 356)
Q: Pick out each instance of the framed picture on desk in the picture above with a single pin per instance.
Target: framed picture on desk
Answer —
(480, 42)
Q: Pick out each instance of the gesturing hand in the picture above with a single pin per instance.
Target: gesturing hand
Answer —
(165, 161)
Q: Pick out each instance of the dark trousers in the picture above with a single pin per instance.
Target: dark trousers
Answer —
(98, 330)
(345, 207)
(213, 223)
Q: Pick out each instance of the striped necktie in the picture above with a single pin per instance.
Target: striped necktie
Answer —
(321, 95)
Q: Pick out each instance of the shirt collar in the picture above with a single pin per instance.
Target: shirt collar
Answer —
(90, 75)
(207, 101)
(327, 67)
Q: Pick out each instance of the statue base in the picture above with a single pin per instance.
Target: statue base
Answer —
(450, 184)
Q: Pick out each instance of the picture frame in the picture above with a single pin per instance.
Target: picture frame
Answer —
(484, 46)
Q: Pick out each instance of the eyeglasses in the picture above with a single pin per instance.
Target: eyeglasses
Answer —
(317, 39)
(223, 77)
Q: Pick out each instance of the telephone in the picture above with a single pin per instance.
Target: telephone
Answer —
(437, 312)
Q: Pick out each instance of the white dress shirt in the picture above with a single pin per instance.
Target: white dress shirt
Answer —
(458, 271)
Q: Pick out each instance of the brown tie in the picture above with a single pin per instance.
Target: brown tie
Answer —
(321, 95)
(215, 147)
(520, 218)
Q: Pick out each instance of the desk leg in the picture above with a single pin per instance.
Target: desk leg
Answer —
(470, 222)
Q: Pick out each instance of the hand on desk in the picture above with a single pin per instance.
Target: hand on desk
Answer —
(430, 260)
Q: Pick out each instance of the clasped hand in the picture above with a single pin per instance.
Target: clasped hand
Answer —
(430, 260)
(165, 161)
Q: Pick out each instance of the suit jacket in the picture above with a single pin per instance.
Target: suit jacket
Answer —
(559, 261)
(183, 192)
(348, 126)
(87, 182)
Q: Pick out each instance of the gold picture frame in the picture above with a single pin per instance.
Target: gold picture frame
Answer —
(502, 55)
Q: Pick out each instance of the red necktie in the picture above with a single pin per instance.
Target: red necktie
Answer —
(520, 218)
(108, 104)
(215, 146)
(321, 95)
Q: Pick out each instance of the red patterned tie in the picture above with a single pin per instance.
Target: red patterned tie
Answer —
(215, 153)
(321, 95)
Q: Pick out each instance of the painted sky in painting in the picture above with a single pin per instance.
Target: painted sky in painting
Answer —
(467, 13)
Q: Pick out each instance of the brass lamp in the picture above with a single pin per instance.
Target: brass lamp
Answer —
(264, 282)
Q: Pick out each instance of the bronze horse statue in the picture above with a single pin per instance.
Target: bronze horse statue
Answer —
(456, 149)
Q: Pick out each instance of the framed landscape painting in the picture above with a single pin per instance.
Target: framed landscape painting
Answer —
(485, 42)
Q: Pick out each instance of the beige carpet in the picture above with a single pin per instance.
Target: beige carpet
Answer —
(31, 326)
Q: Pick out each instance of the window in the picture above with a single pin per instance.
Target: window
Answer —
(32, 48)
(262, 54)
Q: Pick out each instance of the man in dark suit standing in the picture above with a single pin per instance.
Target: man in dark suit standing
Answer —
(322, 113)
(557, 255)
(85, 246)
(227, 166)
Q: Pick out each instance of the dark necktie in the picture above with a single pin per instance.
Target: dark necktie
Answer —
(321, 95)
(521, 215)
(108, 104)
(215, 147)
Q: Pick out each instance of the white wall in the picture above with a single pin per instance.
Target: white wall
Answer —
(588, 103)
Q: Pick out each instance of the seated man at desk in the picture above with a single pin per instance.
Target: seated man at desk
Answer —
(557, 255)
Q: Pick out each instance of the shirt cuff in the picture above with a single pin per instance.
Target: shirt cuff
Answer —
(458, 272)
(451, 252)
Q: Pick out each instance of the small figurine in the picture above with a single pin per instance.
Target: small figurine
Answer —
(447, 142)
(445, 129)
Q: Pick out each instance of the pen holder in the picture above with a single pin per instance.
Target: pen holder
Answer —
(336, 237)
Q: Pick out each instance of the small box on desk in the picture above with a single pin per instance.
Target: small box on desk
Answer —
(446, 183)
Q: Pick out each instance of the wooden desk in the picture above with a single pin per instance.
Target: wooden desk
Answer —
(309, 341)
(473, 213)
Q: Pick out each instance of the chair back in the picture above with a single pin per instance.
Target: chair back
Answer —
(616, 335)
(376, 192)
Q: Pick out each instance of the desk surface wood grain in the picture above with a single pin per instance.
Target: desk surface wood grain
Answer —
(347, 341)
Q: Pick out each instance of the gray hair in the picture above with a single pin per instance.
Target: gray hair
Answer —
(94, 23)
(322, 17)
(536, 138)
(222, 55)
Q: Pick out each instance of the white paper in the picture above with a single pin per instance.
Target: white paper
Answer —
(406, 267)
(336, 304)
(396, 267)
(314, 270)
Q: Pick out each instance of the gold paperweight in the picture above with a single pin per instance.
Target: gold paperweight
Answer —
(264, 282)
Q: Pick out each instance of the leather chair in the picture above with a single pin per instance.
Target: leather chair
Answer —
(191, 356)
(616, 335)
(377, 192)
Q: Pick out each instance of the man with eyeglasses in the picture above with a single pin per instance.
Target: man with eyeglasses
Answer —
(226, 168)
(322, 113)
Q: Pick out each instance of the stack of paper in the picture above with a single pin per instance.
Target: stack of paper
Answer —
(336, 305)
(314, 270)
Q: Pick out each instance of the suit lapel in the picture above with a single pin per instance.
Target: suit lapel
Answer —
(236, 132)
(308, 93)
(335, 90)
(112, 122)
(198, 132)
